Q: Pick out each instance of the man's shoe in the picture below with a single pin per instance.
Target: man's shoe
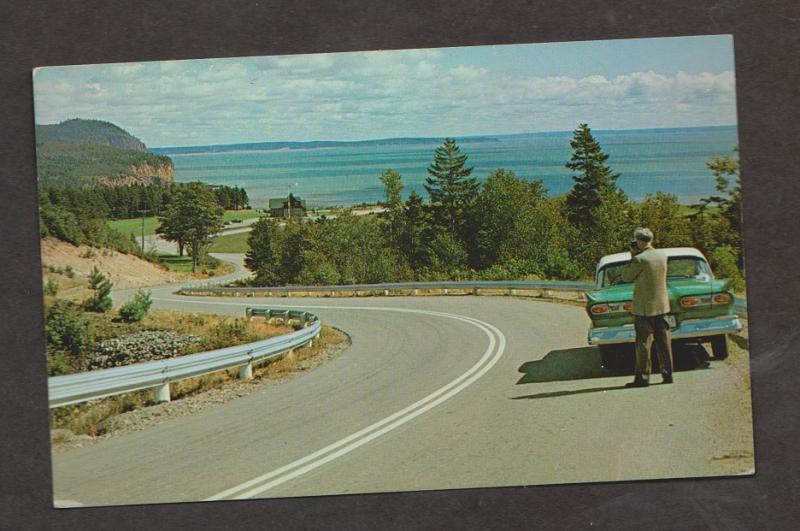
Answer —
(667, 378)
(637, 383)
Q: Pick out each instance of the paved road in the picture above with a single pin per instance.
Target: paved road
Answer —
(435, 392)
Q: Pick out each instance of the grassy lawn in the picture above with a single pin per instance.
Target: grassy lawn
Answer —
(230, 215)
(134, 225)
(184, 263)
(232, 243)
(128, 226)
(176, 263)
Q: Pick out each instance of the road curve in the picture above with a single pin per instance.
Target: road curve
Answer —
(435, 392)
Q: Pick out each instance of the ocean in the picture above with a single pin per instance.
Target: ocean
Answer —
(649, 160)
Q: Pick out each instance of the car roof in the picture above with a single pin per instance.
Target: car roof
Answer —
(670, 252)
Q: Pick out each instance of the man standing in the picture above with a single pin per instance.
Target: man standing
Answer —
(648, 272)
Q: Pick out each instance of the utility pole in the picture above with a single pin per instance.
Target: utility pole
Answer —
(143, 211)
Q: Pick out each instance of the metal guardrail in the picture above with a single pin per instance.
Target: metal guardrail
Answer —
(76, 388)
(555, 285)
(740, 305)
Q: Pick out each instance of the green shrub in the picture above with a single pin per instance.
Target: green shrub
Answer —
(51, 287)
(135, 310)
(723, 261)
(58, 363)
(66, 330)
(69, 272)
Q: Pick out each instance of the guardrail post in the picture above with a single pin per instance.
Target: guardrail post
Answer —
(246, 371)
(162, 393)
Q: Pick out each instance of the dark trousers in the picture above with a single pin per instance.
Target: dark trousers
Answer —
(651, 329)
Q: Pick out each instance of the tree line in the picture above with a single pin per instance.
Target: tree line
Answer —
(505, 227)
(79, 215)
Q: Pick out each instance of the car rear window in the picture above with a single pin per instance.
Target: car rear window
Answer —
(677, 267)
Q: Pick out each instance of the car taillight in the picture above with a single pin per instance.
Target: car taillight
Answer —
(599, 309)
(627, 306)
(690, 302)
(722, 298)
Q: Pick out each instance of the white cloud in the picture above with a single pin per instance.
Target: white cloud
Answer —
(367, 95)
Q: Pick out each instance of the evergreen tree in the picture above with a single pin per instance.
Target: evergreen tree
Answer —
(415, 233)
(597, 209)
(392, 191)
(451, 190)
(594, 182)
(101, 285)
(261, 258)
(292, 251)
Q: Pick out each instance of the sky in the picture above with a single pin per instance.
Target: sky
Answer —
(456, 92)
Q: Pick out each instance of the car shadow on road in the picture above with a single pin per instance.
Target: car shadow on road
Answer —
(584, 363)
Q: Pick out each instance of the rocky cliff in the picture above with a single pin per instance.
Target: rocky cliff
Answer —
(141, 174)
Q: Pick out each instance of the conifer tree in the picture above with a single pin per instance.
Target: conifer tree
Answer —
(101, 285)
(451, 190)
(594, 181)
(262, 256)
(415, 232)
(393, 197)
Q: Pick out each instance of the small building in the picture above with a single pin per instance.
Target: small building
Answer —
(283, 207)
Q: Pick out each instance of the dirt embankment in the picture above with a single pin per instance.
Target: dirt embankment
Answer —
(71, 266)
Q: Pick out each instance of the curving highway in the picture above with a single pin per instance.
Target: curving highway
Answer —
(434, 393)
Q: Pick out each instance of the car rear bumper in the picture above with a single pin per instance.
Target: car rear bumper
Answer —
(689, 328)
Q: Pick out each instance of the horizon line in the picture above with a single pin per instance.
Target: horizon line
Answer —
(456, 137)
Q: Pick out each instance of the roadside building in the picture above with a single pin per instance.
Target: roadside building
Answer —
(283, 207)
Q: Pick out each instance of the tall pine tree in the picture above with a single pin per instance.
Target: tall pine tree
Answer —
(451, 190)
(594, 181)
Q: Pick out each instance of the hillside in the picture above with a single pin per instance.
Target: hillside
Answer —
(70, 267)
(95, 132)
(92, 152)
(68, 164)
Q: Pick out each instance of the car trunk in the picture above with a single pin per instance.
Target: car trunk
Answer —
(676, 289)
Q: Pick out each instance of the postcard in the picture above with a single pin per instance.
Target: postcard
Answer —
(385, 271)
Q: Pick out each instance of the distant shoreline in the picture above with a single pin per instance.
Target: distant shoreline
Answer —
(284, 146)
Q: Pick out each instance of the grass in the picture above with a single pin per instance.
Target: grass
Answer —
(232, 243)
(134, 225)
(175, 262)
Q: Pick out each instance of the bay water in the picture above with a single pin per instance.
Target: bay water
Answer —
(649, 160)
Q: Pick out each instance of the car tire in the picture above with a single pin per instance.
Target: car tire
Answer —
(719, 346)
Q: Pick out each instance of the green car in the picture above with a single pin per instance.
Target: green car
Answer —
(701, 307)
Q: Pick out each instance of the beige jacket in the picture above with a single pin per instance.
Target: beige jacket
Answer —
(648, 272)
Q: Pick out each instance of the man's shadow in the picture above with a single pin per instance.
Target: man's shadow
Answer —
(585, 363)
